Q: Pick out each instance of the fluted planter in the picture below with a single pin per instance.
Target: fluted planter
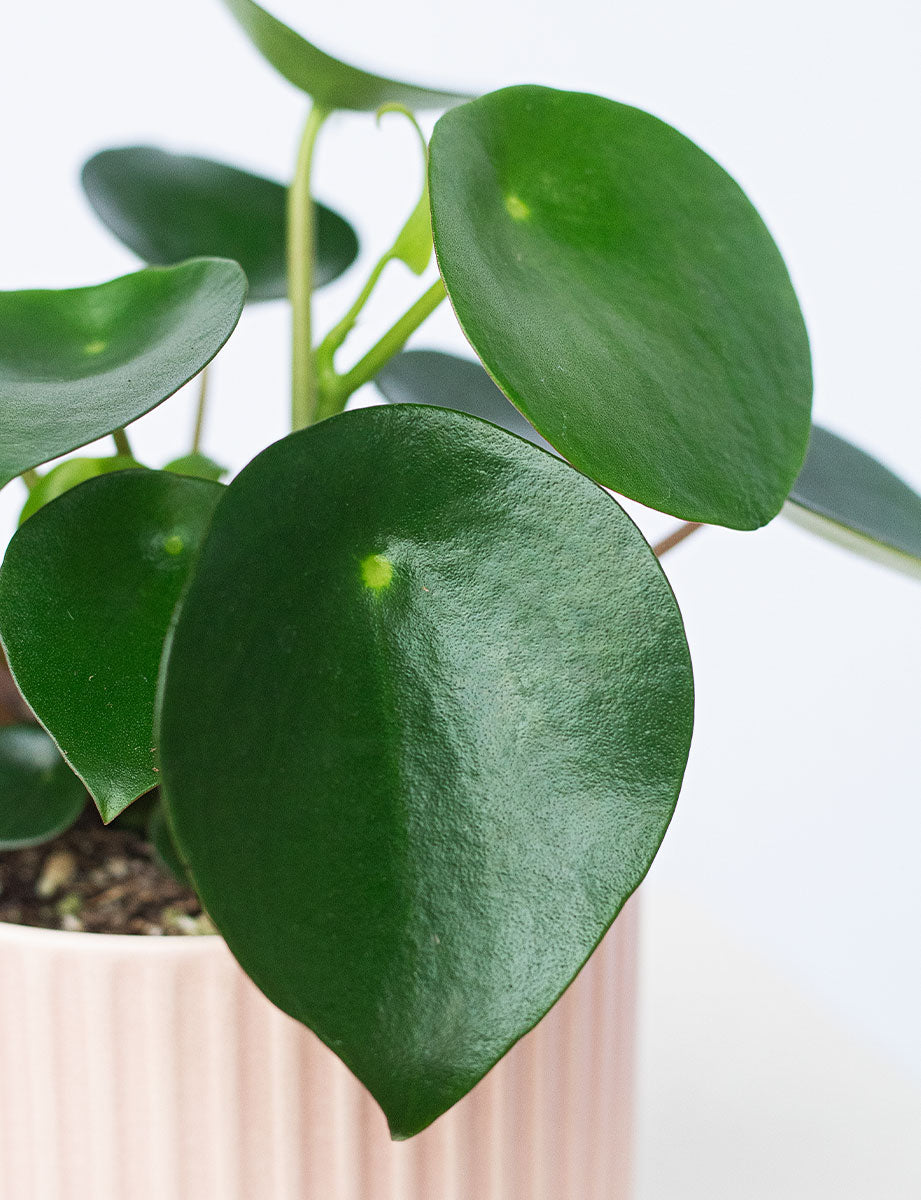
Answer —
(139, 1068)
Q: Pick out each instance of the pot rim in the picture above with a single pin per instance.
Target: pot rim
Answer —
(145, 943)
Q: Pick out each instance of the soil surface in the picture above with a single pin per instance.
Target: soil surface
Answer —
(93, 878)
(97, 879)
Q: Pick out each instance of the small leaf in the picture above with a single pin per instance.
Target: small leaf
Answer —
(626, 296)
(413, 244)
(78, 364)
(87, 590)
(432, 377)
(845, 495)
(474, 710)
(332, 83)
(68, 474)
(198, 466)
(169, 207)
(162, 841)
(40, 796)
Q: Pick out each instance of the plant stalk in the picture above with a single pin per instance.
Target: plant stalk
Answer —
(301, 257)
(200, 410)
(337, 388)
(676, 537)
(326, 350)
(30, 477)
(122, 445)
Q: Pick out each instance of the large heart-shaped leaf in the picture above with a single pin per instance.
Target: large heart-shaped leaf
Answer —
(168, 207)
(847, 496)
(433, 377)
(80, 363)
(39, 794)
(332, 83)
(87, 590)
(474, 710)
(624, 293)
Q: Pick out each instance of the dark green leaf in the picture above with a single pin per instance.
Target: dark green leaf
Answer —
(626, 296)
(87, 590)
(846, 496)
(136, 817)
(39, 794)
(162, 840)
(68, 474)
(474, 709)
(78, 364)
(198, 465)
(168, 207)
(431, 377)
(331, 83)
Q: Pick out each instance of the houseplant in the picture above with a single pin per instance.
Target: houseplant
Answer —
(515, 226)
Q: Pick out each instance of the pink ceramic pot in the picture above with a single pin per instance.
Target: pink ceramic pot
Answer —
(139, 1068)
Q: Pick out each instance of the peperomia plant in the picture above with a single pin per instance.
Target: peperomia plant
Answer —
(413, 687)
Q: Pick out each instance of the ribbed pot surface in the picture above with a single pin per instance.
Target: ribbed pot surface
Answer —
(137, 1068)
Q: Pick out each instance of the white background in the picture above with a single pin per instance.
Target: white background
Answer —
(799, 827)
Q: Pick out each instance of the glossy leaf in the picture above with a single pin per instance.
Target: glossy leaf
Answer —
(169, 207)
(80, 363)
(626, 296)
(87, 590)
(432, 377)
(332, 83)
(40, 796)
(198, 465)
(474, 712)
(845, 495)
(136, 817)
(68, 474)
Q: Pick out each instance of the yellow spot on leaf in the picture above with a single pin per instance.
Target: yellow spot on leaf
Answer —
(95, 347)
(516, 208)
(174, 545)
(376, 571)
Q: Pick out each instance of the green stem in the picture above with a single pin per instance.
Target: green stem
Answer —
(30, 478)
(337, 389)
(301, 255)
(200, 410)
(326, 350)
(122, 445)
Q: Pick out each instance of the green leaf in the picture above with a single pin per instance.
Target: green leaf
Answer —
(68, 474)
(413, 244)
(845, 495)
(626, 296)
(168, 207)
(40, 796)
(136, 817)
(87, 590)
(198, 465)
(78, 364)
(165, 848)
(332, 84)
(432, 377)
(475, 706)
